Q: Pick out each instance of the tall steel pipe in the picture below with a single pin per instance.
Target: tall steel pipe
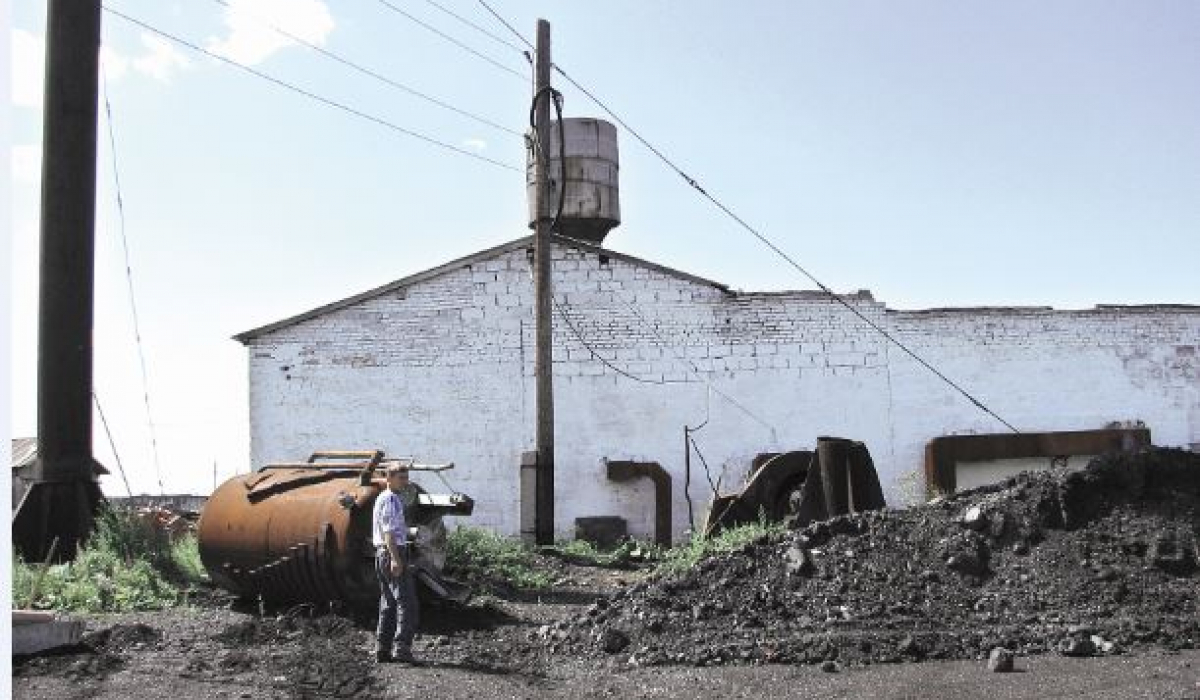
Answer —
(59, 505)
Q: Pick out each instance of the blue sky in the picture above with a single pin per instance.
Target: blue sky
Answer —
(937, 153)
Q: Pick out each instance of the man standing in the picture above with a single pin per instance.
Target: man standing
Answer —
(398, 595)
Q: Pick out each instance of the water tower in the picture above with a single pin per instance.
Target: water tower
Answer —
(592, 206)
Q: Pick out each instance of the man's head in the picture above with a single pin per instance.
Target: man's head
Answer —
(397, 476)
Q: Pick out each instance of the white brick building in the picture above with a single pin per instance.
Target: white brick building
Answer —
(439, 366)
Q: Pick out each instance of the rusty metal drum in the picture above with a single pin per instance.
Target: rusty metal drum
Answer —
(301, 532)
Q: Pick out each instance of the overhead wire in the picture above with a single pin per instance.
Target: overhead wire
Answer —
(696, 369)
(694, 184)
(600, 358)
(475, 26)
(137, 329)
(371, 73)
(112, 444)
(506, 24)
(452, 40)
(312, 95)
(540, 154)
(715, 486)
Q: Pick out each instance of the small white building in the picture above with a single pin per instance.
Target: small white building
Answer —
(439, 366)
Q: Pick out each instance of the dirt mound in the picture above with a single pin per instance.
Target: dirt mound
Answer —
(316, 655)
(1080, 563)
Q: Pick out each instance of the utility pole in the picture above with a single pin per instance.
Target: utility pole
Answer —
(544, 361)
(60, 504)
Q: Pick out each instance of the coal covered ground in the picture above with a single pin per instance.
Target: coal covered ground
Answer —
(1089, 576)
(1096, 561)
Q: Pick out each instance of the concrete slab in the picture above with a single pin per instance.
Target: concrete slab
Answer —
(36, 631)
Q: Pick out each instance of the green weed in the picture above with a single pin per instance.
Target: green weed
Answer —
(483, 557)
(124, 566)
(588, 554)
(700, 547)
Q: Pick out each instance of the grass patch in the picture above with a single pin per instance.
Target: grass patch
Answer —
(126, 565)
(483, 557)
(685, 556)
(588, 554)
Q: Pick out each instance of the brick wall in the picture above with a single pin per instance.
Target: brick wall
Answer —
(1043, 370)
(443, 370)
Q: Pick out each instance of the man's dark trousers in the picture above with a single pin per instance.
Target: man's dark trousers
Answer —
(397, 606)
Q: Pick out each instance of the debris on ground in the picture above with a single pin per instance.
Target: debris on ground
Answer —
(166, 520)
(1000, 660)
(1082, 563)
(1093, 563)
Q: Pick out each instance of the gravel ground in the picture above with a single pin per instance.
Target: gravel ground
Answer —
(1089, 578)
(193, 667)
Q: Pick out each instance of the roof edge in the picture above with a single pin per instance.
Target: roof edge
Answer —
(641, 262)
(1098, 308)
(246, 336)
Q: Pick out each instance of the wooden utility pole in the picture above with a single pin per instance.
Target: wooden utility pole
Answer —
(543, 289)
(59, 505)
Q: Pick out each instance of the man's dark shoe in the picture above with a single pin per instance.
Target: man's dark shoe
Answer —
(383, 657)
(406, 658)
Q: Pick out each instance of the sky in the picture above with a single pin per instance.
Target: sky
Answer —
(937, 153)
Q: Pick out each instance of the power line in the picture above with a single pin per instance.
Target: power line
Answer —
(371, 73)
(313, 96)
(775, 249)
(137, 330)
(451, 39)
(762, 238)
(112, 444)
(714, 485)
(510, 28)
(597, 356)
(538, 153)
(696, 369)
(475, 26)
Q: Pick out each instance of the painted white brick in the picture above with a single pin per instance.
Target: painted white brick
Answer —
(444, 370)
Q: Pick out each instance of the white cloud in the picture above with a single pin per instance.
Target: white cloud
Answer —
(252, 41)
(475, 144)
(26, 164)
(28, 67)
(113, 64)
(161, 58)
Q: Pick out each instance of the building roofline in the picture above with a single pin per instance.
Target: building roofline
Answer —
(640, 262)
(246, 336)
(1098, 308)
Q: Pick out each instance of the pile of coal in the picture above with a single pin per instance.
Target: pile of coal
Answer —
(313, 655)
(100, 654)
(1095, 561)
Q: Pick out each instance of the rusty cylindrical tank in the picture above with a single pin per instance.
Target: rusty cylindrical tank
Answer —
(301, 532)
